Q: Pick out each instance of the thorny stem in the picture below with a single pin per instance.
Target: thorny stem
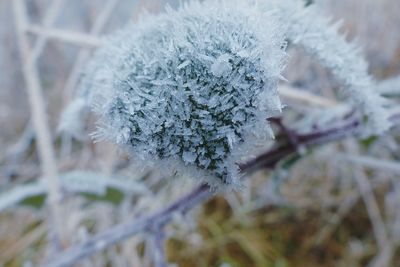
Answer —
(285, 131)
(349, 127)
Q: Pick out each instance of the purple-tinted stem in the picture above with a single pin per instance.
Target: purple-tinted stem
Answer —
(349, 126)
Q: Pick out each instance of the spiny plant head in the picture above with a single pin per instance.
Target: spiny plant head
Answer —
(191, 89)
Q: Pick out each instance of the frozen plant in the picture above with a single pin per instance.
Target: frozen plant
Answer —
(190, 89)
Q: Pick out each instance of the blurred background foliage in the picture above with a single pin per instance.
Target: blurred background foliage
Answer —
(308, 212)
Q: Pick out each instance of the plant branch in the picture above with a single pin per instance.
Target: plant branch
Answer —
(125, 230)
(350, 126)
(158, 240)
(50, 18)
(305, 97)
(37, 105)
(65, 35)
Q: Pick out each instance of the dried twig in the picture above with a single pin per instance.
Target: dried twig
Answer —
(371, 162)
(378, 225)
(158, 240)
(305, 97)
(369, 200)
(39, 120)
(51, 16)
(65, 36)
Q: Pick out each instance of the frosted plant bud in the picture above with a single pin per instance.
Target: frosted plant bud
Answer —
(190, 90)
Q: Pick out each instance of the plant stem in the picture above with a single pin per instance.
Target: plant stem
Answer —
(350, 126)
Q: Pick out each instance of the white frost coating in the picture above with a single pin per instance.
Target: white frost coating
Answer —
(183, 90)
(306, 27)
(190, 90)
(189, 157)
(390, 87)
(221, 65)
(76, 182)
(72, 120)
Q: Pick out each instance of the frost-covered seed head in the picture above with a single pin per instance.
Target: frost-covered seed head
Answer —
(191, 89)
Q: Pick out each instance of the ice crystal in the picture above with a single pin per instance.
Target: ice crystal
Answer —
(191, 89)
(190, 86)
(305, 27)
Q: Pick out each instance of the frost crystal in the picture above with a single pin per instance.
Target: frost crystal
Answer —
(305, 27)
(187, 89)
(191, 89)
